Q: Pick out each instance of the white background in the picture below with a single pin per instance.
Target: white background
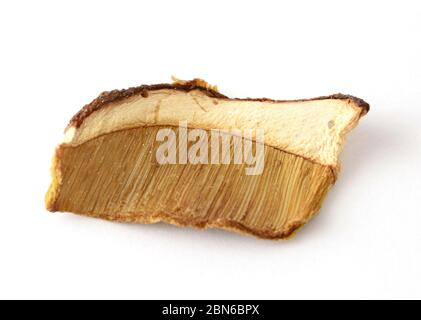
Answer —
(56, 56)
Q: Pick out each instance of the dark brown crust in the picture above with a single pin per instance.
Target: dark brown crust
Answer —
(117, 95)
(337, 96)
